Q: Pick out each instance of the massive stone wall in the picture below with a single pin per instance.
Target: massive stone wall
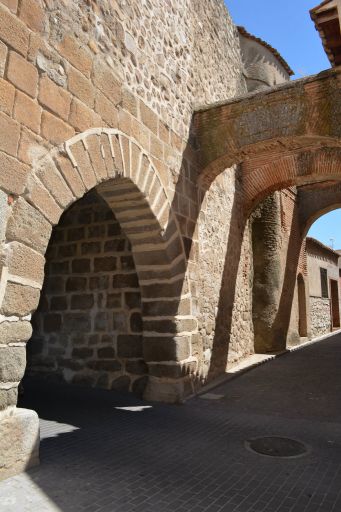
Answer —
(170, 54)
(105, 91)
(101, 94)
(225, 255)
(141, 67)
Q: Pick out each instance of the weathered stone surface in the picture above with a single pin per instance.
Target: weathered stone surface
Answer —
(12, 363)
(166, 348)
(137, 367)
(54, 129)
(4, 213)
(19, 441)
(80, 313)
(25, 262)
(7, 93)
(15, 332)
(13, 31)
(22, 74)
(8, 397)
(121, 384)
(9, 135)
(163, 391)
(129, 346)
(19, 299)
(54, 98)
(32, 14)
(13, 174)
(139, 386)
(27, 112)
(27, 225)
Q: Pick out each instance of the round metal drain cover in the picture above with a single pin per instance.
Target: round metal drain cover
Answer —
(277, 447)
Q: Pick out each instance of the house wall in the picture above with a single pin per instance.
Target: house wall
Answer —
(318, 257)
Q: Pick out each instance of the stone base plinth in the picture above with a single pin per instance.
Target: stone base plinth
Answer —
(19, 441)
(172, 391)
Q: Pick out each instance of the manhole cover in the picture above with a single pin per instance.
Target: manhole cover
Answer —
(277, 446)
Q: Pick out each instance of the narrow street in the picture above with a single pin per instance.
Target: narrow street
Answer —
(107, 452)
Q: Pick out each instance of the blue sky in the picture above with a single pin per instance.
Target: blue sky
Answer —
(287, 26)
(326, 227)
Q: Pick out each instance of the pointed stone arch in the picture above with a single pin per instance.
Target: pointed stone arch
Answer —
(127, 179)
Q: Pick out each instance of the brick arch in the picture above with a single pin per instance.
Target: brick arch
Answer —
(262, 177)
(317, 200)
(126, 178)
(288, 135)
(296, 116)
(277, 164)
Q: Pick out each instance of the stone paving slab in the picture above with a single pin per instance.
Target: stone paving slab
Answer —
(106, 452)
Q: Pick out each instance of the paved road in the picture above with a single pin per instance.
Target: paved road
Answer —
(96, 457)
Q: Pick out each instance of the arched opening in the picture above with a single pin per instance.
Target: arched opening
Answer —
(87, 329)
(295, 280)
(323, 259)
(302, 307)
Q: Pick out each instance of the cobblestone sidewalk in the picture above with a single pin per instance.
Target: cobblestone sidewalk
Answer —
(105, 452)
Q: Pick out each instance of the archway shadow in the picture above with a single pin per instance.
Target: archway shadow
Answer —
(227, 293)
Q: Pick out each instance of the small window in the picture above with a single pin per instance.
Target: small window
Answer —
(324, 282)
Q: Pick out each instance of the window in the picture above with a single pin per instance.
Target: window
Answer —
(324, 282)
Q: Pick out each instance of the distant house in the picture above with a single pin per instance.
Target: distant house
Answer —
(323, 273)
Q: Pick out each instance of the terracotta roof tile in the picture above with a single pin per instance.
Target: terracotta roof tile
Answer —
(245, 33)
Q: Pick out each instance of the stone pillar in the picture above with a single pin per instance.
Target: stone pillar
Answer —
(19, 428)
(266, 243)
(276, 248)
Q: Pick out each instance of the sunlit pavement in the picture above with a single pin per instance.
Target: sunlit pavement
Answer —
(105, 452)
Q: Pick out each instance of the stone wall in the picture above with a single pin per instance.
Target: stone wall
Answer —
(320, 316)
(88, 326)
(225, 277)
(152, 47)
(71, 71)
(101, 94)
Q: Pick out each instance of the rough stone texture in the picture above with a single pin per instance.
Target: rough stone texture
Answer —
(19, 441)
(129, 35)
(320, 316)
(19, 300)
(88, 324)
(267, 241)
(84, 54)
(4, 211)
(15, 332)
(12, 363)
(136, 70)
(224, 250)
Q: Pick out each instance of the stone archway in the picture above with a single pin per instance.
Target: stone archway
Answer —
(128, 181)
(130, 184)
(87, 329)
(282, 137)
